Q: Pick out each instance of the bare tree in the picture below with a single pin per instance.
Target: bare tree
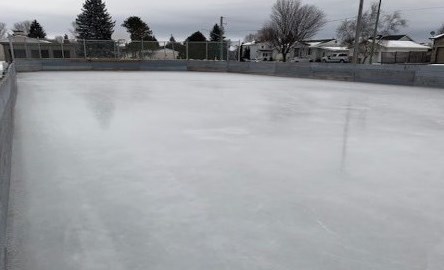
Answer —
(388, 24)
(73, 30)
(23, 26)
(251, 37)
(290, 22)
(3, 30)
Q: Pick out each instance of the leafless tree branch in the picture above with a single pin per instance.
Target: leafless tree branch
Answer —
(291, 22)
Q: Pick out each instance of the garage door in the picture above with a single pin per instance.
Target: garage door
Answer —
(440, 56)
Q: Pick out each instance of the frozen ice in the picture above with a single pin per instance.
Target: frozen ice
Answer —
(177, 170)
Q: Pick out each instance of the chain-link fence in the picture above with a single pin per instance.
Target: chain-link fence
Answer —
(405, 57)
(124, 50)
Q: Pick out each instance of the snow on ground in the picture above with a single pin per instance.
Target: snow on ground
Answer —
(153, 170)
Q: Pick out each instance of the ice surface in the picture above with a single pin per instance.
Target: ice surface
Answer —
(133, 170)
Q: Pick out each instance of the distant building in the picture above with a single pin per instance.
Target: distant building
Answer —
(260, 51)
(32, 48)
(316, 49)
(438, 49)
(394, 49)
(165, 54)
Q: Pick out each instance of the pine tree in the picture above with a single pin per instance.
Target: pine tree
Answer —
(94, 22)
(138, 29)
(216, 33)
(196, 37)
(36, 30)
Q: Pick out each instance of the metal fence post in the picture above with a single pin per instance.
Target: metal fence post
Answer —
(239, 51)
(187, 50)
(40, 48)
(63, 51)
(26, 48)
(11, 48)
(228, 50)
(164, 50)
(115, 49)
(84, 48)
(206, 50)
(141, 52)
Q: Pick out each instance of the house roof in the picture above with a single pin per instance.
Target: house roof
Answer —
(394, 37)
(23, 39)
(249, 43)
(318, 40)
(335, 49)
(438, 36)
(402, 44)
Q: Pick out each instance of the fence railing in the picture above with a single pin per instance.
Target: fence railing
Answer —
(124, 50)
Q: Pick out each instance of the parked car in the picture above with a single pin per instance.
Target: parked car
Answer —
(301, 60)
(336, 58)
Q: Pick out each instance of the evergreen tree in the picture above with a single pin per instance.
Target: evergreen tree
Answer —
(36, 30)
(138, 29)
(172, 39)
(196, 37)
(196, 46)
(94, 22)
(216, 33)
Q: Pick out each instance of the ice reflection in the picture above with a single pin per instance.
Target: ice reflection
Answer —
(102, 105)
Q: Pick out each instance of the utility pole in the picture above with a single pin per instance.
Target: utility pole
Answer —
(221, 38)
(375, 32)
(358, 33)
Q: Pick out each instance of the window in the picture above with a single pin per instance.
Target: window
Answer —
(309, 51)
(57, 53)
(19, 53)
(35, 54)
(45, 54)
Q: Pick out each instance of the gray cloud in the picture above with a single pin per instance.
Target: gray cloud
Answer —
(181, 18)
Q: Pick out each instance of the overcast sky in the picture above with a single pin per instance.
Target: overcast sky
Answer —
(181, 18)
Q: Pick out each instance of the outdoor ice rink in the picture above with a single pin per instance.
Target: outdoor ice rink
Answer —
(206, 171)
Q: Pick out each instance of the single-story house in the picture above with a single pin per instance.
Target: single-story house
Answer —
(399, 49)
(25, 47)
(316, 49)
(164, 54)
(438, 49)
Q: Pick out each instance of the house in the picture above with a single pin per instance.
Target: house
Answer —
(316, 49)
(259, 50)
(394, 49)
(438, 49)
(25, 47)
(164, 54)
